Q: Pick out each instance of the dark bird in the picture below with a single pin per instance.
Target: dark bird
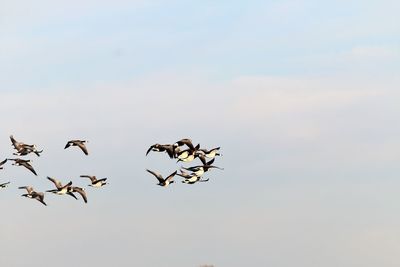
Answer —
(201, 169)
(191, 178)
(4, 185)
(24, 149)
(212, 153)
(25, 163)
(79, 190)
(60, 188)
(2, 163)
(39, 196)
(79, 143)
(188, 155)
(162, 148)
(95, 182)
(161, 181)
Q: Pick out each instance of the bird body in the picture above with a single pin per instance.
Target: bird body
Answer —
(25, 163)
(78, 143)
(95, 182)
(161, 181)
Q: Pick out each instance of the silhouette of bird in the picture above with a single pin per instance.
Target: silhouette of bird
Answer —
(25, 163)
(4, 185)
(161, 181)
(95, 182)
(60, 188)
(78, 143)
(39, 196)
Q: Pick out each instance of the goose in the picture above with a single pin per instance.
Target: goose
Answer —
(61, 189)
(182, 142)
(188, 155)
(24, 149)
(4, 185)
(212, 153)
(27, 149)
(191, 178)
(25, 163)
(162, 148)
(79, 143)
(79, 190)
(39, 196)
(161, 181)
(95, 182)
(201, 169)
(2, 163)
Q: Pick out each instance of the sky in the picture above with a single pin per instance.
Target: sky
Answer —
(302, 96)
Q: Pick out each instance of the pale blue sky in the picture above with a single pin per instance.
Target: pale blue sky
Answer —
(302, 96)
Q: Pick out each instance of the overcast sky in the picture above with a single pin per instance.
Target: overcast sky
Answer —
(302, 97)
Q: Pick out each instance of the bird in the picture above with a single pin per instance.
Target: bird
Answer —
(161, 181)
(2, 163)
(27, 149)
(79, 190)
(162, 148)
(79, 143)
(95, 182)
(39, 196)
(60, 188)
(212, 153)
(191, 178)
(201, 169)
(4, 185)
(178, 144)
(188, 155)
(23, 149)
(25, 163)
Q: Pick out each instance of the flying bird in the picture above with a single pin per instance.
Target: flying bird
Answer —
(25, 163)
(212, 153)
(161, 181)
(201, 169)
(4, 185)
(39, 196)
(79, 190)
(162, 148)
(79, 143)
(95, 182)
(60, 188)
(24, 149)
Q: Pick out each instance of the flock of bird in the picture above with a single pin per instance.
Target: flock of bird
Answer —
(23, 149)
(184, 151)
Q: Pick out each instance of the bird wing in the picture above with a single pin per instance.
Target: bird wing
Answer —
(187, 142)
(29, 167)
(29, 189)
(56, 182)
(148, 150)
(2, 163)
(39, 196)
(3, 184)
(68, 144)
(81, 192)
(169, 178)
(102, 180)
(157, 175)
(83, 147)
(210, 162)
(91, 177)
(72, 195)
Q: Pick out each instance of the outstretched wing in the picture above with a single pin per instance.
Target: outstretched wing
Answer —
(81, 192)
(157, 175)
(55, 182)
(169, 178)
(91, 177)
(83, 147)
